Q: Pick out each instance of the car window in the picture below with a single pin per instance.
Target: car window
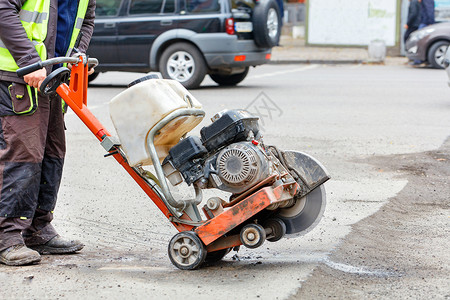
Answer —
(202, 6)
(138, 7)
(107, 7)
(169, 6)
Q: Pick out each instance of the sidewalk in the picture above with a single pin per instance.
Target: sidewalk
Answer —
(295, 51)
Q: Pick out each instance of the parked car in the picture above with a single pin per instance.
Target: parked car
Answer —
(185, 39)
(429, 44)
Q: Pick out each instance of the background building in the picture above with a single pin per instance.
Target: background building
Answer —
(353, 23)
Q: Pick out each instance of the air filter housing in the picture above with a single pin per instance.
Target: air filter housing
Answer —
(240, 166)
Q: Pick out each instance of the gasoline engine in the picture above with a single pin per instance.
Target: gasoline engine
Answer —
(229, 155)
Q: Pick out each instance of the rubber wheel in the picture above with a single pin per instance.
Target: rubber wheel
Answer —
(93, 76)
(266, 23)
(229, 80)
(186, 251)
(278, 229)
(436, 54)
(184, 63)
(213, 257)
(252, 235)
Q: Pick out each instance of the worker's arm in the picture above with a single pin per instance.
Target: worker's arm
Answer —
(87, 28)
(15, 39)
(13, 35)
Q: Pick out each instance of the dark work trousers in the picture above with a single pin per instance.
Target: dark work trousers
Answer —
(32, 149)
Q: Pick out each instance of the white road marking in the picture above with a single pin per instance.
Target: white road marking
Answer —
(354, 270)
(301, 69)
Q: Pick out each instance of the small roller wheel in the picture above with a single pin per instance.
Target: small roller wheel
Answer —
(186, 251)
(252, 235)
(277, 228)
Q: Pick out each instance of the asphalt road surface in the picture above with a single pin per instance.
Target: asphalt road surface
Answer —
(382, 133)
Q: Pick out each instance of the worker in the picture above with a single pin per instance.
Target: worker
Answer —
(32, 141)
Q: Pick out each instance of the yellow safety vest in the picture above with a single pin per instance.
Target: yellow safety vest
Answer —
(34, 16)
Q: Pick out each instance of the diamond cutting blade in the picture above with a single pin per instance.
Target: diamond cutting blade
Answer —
(305, 214)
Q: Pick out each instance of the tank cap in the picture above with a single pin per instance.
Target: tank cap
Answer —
(151, 75)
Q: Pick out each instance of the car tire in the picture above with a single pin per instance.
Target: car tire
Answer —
(184, 63)
(229, 80)
(266, 23)
(436, 54)
(93, 76)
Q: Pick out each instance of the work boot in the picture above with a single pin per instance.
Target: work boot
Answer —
(58, 245)
(19, 255)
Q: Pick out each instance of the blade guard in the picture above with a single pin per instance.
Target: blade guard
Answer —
(307, 170)
(311, 198)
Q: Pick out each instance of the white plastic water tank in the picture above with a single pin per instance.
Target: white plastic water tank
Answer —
(136, 110)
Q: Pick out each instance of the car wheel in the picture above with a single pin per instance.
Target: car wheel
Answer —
(229, 80)
(184, 63)
(93, 76)
(266, 23)
(436, 54)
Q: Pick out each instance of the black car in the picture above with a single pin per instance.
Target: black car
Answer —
(185, 39)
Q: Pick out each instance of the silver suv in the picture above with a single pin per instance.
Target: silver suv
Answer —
(185, 39)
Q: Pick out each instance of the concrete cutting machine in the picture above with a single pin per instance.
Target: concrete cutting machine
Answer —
(271, 193)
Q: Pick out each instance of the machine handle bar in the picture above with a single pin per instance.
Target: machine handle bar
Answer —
(92, 62)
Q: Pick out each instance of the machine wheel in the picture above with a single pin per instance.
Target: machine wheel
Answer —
(186, 251)
(266, 23)
(93, 76)
(229, 80)
(277, 227)
(436, 54)
(213, 257)
(305, 214)
(184, 63)
(252, 235)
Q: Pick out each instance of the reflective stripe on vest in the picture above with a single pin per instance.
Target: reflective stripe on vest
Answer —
(34, 16)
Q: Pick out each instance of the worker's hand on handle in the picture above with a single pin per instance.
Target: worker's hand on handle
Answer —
(90, 71)
(35, 79)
